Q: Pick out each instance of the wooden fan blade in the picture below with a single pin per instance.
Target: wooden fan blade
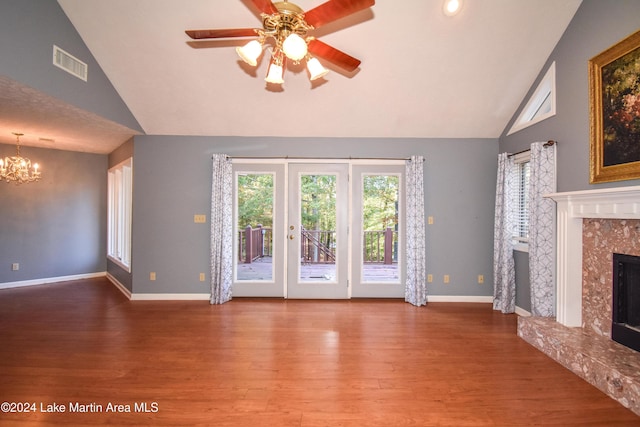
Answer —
(334, 9)
(333, 55)
(265, 6)
(219, 34)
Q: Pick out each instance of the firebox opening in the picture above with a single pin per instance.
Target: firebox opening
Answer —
(625, 327)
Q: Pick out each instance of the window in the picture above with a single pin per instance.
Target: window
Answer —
(542, 103)
(120, 186)
(521, 236)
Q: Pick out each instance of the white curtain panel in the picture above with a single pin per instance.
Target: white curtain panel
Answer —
(416, 287)
(542, 232)
(504, 274)
(221, 230)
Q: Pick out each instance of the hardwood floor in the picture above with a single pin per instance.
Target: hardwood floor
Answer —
(262, 362)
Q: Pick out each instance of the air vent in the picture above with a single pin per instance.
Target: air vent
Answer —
(69, 63)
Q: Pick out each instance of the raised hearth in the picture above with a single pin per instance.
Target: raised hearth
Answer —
(579, 338)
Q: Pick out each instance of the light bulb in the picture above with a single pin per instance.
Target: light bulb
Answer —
(294, 47)
(452, 7)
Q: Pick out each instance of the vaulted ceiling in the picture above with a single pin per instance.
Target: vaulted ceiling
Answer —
(423, 74)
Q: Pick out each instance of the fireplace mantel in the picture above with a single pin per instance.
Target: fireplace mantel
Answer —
(572, 207)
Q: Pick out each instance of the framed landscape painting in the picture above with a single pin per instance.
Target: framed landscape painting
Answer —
(614, 112)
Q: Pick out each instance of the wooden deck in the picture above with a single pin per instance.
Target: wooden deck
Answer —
(261, 269)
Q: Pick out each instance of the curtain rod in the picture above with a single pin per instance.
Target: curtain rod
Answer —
(318, 158)
(546, 144)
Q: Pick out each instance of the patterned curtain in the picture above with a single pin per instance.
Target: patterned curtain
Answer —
(416, 288)
(542, 220)
(221, 230)
(504, 274)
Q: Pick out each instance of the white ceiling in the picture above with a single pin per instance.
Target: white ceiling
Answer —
(422, 74)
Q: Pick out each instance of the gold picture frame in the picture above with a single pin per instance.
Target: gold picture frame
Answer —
(614, 112)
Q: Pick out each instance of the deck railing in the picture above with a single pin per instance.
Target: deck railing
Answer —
(318, 246)
(254, 243)
(380, 247)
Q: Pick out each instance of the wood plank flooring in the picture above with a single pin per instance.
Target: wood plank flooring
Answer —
(272, 362)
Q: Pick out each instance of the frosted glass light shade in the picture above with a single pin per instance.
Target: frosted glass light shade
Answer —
(294, 47)
(274, 75)
(316, 70)
(250, 52)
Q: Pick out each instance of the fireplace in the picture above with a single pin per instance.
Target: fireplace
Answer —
(625, 313)
(592, 225)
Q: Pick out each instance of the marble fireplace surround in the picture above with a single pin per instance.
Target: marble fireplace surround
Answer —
(606, 364)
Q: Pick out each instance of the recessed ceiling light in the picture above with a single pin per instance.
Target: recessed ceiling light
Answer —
(452, 7)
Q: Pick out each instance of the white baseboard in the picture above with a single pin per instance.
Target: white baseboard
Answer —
(170, 297)
(522, 312)
(459, 298)
(45, 281)
(122, 288)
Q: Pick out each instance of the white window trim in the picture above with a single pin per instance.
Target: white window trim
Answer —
(119, 211)
(546, 88)
(521, 244)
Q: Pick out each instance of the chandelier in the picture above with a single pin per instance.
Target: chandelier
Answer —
(18, 169)
(288, 29)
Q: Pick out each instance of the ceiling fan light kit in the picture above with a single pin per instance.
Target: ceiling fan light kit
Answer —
(287, 25)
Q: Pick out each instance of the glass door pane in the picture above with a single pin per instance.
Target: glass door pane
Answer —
(318, 228)
(380, 228)
(255, 226)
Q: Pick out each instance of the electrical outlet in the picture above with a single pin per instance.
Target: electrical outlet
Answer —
(480, 278)
(446, 278)
(202, 277)
(152, 275)
(200, 219)
(429, 278)
(430, 220)
(15, 266)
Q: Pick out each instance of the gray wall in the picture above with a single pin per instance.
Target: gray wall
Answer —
(28, 31)
(172, 182)
(57, 226)
(596, 26)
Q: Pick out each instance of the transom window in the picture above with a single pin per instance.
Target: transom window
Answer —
(542, 103)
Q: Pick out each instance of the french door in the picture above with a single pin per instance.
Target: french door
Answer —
(318, 230)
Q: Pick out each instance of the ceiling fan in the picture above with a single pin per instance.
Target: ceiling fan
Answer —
(286, 25)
